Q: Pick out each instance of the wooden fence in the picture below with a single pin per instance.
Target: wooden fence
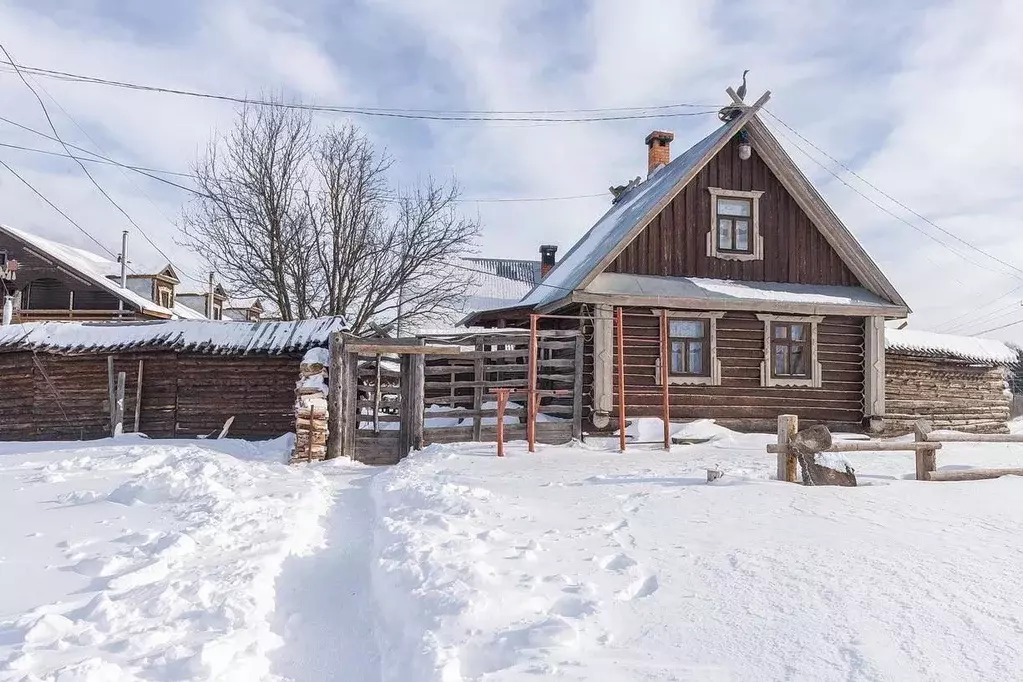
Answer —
(926, 444)
(403, 394)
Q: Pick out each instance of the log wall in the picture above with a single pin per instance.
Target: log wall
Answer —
(951, 394)
(740, 401)
(56, 397)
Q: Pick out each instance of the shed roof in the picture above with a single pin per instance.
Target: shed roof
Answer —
(202, 336)
(931, 344)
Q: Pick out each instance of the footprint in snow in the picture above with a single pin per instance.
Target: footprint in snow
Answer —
(639, 588)
(617, 562)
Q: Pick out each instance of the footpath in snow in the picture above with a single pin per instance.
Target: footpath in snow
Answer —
(147, 560)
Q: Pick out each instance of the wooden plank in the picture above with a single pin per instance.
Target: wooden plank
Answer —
(866, 446)
(946, 437)
(119, 406)
(417, 407)
(477, 391)
(138, 398)
(110, 391)
(971, 474)
(401, 348)
(577, 390)
(335, 404)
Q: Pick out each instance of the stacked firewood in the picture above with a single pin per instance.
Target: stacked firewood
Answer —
(311, 407)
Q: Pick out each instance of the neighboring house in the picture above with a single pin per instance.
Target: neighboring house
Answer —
(769, 304)
(53, 281)
(48, 280)
(201, 303)
(244, 309)
(500, 282)
(955, 382)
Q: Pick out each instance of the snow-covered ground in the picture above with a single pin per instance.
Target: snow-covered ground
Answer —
(147, 560)
(574, 563)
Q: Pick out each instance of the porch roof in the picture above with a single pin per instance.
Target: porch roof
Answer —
(719, 294)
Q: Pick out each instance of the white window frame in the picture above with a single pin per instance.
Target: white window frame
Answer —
(714, 378)
(160, 288)
(766, 376)
(756, 240)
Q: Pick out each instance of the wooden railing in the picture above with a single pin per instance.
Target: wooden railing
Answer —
(24, 315)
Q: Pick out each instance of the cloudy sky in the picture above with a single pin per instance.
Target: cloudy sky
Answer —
(915, 96)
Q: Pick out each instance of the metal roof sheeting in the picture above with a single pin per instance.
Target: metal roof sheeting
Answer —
(201, 336)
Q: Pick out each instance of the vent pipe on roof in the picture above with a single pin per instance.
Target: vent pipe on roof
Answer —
(123, 259)
(209, 298)
(547, 252)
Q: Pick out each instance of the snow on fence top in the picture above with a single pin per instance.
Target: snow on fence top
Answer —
(202, 336)
(915, 342)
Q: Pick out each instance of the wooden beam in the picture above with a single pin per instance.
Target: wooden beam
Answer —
(788, 427)
(971, 474)
(953, 437)
(111, 398)
(138, 398)
(926, 460)
(577, 390)
(119, 406)
(865, 446)
(742, 305)
(336, 372)
(398, 348)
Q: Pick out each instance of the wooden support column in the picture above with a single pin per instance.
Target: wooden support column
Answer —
(665, 385)
(788, 427)
(577, 390)
(477, 392)
(334, 405)
(873, 371)
(620, 345)
(417, 394)
(350, 408)
(531, 401)
(603, 365)
(111, 398)
(118, 428)
(926, 458)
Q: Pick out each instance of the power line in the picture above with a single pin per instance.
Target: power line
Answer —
(85, 170)
(994, 329)
(535, 116)
(964, 319)
(894, 200)
(57, 208)
(149, 172)
(879, 206)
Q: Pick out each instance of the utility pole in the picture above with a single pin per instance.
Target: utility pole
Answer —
(123, 258)
(209, 298)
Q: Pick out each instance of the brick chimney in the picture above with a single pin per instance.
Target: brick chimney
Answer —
(547, 252)
(658, 149)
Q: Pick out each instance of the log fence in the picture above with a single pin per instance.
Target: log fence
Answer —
(925, 445)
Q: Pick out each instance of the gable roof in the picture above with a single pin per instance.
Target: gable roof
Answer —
(87, 266)
(639, 205)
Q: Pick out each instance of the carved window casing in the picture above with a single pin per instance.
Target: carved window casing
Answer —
(735, 225)
(790, 351)
(692, 348)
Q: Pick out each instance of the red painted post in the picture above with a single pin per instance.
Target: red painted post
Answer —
(502, 400)
(531, 407)
(665, 374)
(621, 377)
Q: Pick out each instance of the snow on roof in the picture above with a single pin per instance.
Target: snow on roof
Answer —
(185, 312)
(204, 336)
(610, 230)
(931, 344)
(719, 290)
(89, 265)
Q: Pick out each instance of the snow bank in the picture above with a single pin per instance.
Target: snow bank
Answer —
(175, 578)
(651, 429)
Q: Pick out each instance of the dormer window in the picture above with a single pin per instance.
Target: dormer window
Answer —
(218, 312)
(165, 297)
(735, 225)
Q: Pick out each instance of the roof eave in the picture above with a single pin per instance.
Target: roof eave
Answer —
(751, 305)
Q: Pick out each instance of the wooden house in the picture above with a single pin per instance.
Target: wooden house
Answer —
(47, 280)
(728, 262)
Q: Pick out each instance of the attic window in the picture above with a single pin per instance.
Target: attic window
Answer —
(735, 225)
(218, 313)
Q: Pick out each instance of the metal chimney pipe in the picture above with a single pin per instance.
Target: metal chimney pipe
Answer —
(124, 265)
(209, 299)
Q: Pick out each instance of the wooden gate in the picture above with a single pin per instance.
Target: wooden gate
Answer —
(397, 395)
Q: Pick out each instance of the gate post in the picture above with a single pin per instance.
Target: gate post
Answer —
(335, 405)
(788, 426)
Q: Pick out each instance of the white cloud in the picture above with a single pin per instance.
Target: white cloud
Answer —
(916, 96)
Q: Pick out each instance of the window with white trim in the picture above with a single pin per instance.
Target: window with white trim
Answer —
(790, 351)
(735, 225)
(692, 348)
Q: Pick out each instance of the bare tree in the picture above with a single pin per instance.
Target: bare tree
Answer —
(311, 221)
